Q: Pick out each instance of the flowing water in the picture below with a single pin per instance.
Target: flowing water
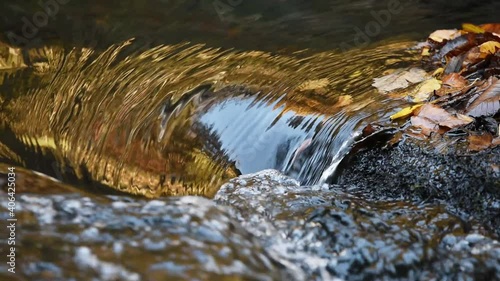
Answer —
(181, 119)
(161, 98)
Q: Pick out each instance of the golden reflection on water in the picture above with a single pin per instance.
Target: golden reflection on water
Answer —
(183, 119)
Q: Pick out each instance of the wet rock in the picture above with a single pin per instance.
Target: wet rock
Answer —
(86, 260)
(121, 238)
(469, 185)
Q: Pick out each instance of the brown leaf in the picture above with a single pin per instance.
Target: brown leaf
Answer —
(454, 80)
(434, 113)
(464, 43)
(426, 125)
(472, 57)
(452, 83)
(432, 116)
(488, 103)
(479, 142)
(491, 27)
(456, 121)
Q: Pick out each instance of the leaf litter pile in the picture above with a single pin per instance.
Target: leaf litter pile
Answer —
(456, 93)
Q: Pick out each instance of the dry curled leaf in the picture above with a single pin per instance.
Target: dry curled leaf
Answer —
(452, 83)
(456, 121)
(469, 27)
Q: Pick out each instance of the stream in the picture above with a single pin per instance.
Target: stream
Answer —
(201, 140)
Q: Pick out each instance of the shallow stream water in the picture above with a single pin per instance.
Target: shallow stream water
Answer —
(160, 98)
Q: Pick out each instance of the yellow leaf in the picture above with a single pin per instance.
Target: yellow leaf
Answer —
(469, 27)
(489, 47)
(405, 112)
(425, 89)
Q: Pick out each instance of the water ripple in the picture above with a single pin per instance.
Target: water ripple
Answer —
(182, 119)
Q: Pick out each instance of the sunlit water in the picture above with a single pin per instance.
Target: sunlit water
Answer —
(182, 119)
(169, 98)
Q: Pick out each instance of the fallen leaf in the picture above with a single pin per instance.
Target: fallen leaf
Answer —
(426, 125)
(405, 112)
(488, 103)
(489, 47)
(444, 34)
(454, 64)
(454, 80)
(463, 43)
(344, 100)
(369, 129)
(473, 56)
(479, 142)
(469, 27)
(491, 27)
(447, 90)
(440, 117)
(438, 71)
(400, 79)
(423, 91)
(457, 121)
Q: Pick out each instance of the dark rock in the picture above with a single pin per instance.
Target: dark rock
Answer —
(468, 184)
